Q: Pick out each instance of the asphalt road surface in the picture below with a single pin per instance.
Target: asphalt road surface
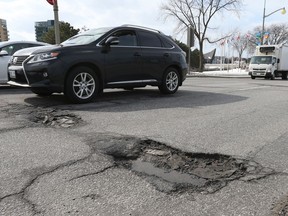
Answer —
(58, 158)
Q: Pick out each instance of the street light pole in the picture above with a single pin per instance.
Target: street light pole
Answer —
(263, 22)
(264, 16)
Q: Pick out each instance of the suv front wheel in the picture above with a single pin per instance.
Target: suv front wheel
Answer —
(81, 85)
(170, 82)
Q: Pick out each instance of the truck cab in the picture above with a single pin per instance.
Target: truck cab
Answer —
(263, 66)
(269, 62)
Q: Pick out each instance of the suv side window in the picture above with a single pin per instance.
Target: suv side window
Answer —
(148, 39)
(126, 38)
(167, 44)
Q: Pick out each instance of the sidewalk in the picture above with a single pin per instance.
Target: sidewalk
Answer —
(221, 73)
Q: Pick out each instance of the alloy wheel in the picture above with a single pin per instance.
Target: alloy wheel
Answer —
(84, 85)
(172, 81)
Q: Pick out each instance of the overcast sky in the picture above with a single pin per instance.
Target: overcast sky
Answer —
(21, 15)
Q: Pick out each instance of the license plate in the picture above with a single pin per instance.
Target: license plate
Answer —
(12, 74)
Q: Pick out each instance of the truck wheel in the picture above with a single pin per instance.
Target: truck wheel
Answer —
(170, 82)
(284, 76)
(81, 85)
(252, 77)
(272, 76)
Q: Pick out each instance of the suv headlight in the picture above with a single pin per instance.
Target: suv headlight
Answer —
(43, 57)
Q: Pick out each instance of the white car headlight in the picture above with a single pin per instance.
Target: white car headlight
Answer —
(43, 57)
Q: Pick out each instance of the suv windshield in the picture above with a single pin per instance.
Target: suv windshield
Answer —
(261, 60)
(86, 37)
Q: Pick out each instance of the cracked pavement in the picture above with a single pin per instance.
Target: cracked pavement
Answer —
(48, 169)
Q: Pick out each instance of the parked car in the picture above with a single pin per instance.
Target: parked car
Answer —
(7, 49)
(121, 57)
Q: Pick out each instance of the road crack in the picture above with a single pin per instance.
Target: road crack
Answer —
(95, 173)
(51, 170)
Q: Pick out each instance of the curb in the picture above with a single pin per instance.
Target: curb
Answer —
(218, 75)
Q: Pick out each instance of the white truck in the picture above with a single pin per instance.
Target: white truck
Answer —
(269, 61)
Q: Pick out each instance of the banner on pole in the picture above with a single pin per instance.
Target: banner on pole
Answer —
(52, 2)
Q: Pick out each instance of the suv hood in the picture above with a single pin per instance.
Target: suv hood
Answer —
(31, 50)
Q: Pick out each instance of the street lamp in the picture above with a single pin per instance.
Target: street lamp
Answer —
(283, 11)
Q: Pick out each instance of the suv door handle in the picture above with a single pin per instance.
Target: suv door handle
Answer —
(166, 54)
(137, 54)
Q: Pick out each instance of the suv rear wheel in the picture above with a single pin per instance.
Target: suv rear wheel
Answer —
(81, 85)
(170, 82)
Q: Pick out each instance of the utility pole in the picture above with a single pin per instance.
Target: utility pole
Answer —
(190, 43)
(56, 20)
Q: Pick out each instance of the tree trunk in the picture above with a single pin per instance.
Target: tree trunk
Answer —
(240, 60)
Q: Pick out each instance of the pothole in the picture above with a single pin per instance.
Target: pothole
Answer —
(172, 170)
(49, 117)
(55, 118)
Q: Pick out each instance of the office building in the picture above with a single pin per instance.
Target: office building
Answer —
(3, 30)
(42, 27)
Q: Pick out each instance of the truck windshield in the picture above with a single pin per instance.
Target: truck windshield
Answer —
(261, 60)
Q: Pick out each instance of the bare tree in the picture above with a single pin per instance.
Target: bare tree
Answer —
(240, 44)
(198, 15)
(276, 34)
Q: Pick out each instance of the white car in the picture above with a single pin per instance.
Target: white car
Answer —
(7, 49)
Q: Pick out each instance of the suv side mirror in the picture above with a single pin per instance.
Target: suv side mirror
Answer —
(112, 40)
(3, 53)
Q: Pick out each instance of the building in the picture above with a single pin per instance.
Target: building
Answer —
(3, 30)
(42, 27)
(209, 57)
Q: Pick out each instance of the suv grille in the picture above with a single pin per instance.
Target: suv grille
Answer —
(18, 60)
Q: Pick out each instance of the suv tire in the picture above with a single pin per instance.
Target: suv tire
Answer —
(81, 85)
(170, 82)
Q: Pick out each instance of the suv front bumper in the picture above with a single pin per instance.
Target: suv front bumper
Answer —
(40, 75)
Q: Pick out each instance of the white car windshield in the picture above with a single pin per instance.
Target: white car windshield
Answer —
(86, 37)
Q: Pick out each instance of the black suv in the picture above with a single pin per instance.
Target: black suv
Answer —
(122, 57)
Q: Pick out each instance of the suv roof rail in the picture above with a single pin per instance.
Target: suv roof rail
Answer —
(142, 27)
